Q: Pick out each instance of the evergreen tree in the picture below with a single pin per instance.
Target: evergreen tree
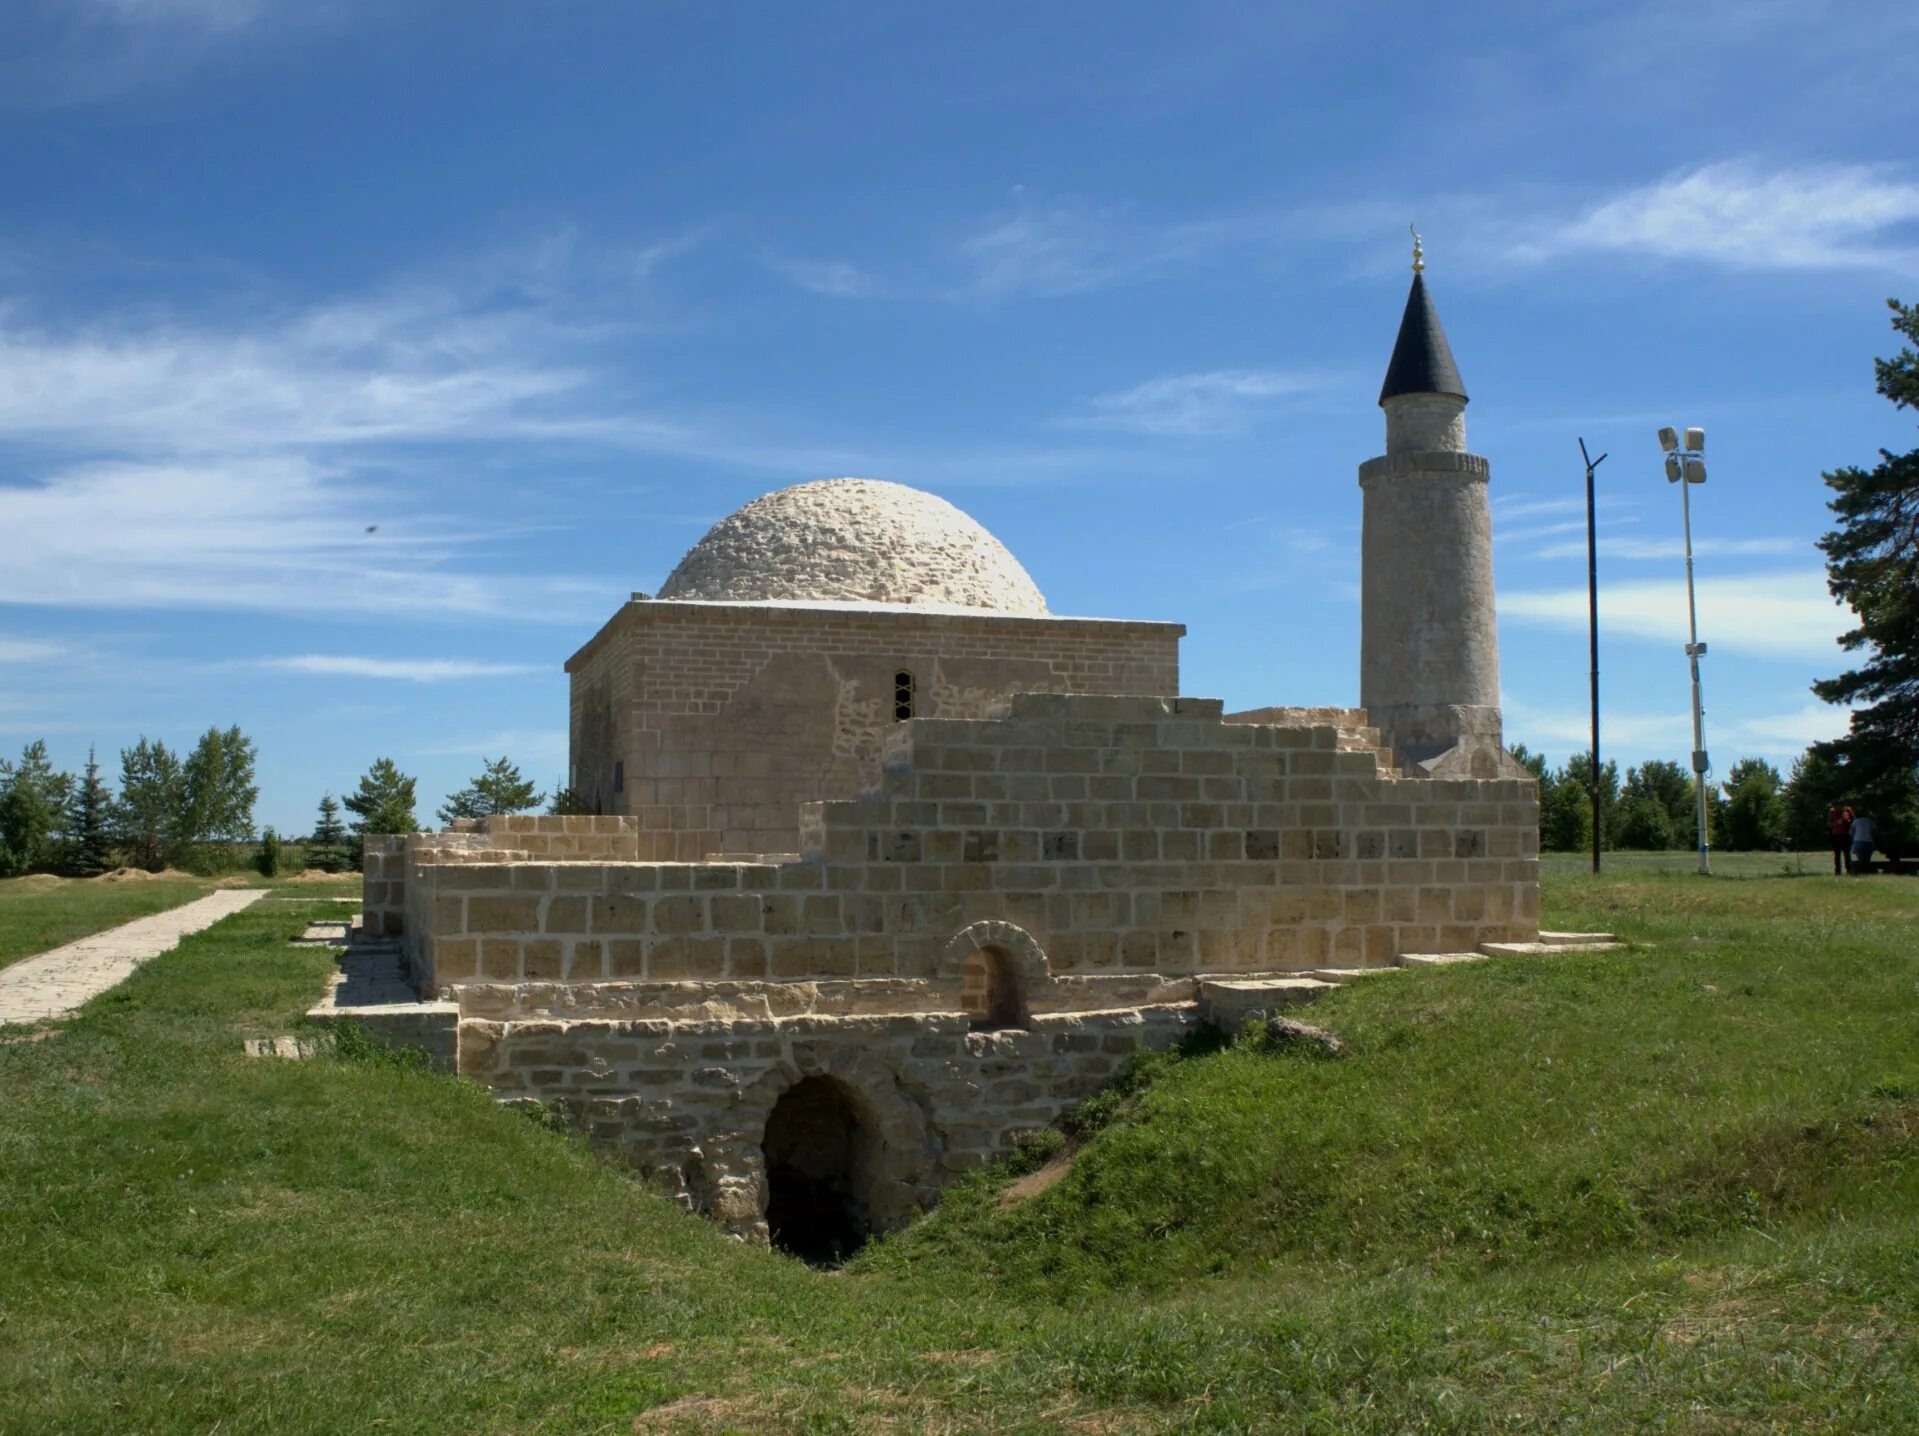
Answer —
(1755, 819)
(90, 825)
(1814, 784)
(384, 800)
(566, 802)
(1872, 563)
(33, 808)
(153, 826)
(498, 789)
(268, 860)
(328, 850)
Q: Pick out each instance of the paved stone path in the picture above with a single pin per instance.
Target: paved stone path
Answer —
(55, 983)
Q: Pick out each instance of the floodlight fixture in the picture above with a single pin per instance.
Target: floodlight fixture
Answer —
(1695, 471)
(1669, 439)
(1673, 471)
(1695, 441)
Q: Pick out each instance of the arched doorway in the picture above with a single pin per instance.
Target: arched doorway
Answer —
(989, 991)
(819, 1161)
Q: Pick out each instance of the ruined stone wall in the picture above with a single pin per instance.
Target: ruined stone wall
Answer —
(721, 719)
(1124, 835)
(1103, 854)
(688, 1100)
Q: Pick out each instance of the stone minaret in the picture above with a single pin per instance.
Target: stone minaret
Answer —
(1428, 649)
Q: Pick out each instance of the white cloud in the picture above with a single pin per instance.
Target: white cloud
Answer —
(1216, 402)
(279, 533)
(28, 650)
(532, 749)
(1638, 735)
(411, 670)
(1787, 614)
(1629, 548)
(835, 278)
(69, 51)
(1817, 216)
(400, 367)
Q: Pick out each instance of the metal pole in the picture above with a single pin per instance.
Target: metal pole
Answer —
(1592, 610)
(1698, 707)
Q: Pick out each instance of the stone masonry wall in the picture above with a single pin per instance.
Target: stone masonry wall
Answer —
(1126, 835)
(724, 718)
(1106, 852)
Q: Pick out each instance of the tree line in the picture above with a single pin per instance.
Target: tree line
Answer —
(1754, 809)
(192, 809)
(169, 807)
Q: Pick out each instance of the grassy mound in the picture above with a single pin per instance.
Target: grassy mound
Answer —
(1670, 1189)
(1746, 1068)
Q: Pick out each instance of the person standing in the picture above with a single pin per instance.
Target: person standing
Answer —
(1839, 818)
(1863, 836)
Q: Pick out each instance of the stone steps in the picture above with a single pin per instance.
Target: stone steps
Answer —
(370, 989)
(1547, 949)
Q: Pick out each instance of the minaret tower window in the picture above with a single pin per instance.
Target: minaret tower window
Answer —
(902, 696)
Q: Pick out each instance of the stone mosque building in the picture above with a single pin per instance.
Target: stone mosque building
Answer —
(894, 864)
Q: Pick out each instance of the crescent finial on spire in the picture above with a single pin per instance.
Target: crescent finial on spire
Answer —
(1419, 252)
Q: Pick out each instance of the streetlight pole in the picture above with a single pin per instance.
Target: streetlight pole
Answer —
(1686, 466)
(1592, 611)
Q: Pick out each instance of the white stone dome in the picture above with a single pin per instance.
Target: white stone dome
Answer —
(854, 541)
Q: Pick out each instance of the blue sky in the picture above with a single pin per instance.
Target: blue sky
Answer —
(543, 290)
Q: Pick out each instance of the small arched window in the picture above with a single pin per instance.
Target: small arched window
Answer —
(902, 696)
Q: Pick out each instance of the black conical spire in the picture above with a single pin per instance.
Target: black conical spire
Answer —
(1422, 359)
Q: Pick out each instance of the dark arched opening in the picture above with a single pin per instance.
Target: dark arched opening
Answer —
(819, 1156)
(989, 991)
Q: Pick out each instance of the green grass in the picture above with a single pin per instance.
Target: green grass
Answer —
(37, 913)
(1668, 1190)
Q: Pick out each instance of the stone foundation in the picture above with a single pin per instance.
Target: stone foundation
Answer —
(960, 953)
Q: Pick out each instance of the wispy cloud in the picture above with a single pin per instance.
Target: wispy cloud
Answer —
(412, 365)
(835, 278)
(280, 533)
(1634, 549)
(1740, 213)
(1046, 250)
(70, 51)
(1639, 734)
(1787, 614)
(29, 650)
(1219, 401)
(409, 670)
(530, 748)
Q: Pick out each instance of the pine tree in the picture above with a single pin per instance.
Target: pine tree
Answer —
(567, 802)
(1813, 785)
(90, 825)
(384, 800)
(33, 807)
(1872, 563)
(328, 850)
(498, 789)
